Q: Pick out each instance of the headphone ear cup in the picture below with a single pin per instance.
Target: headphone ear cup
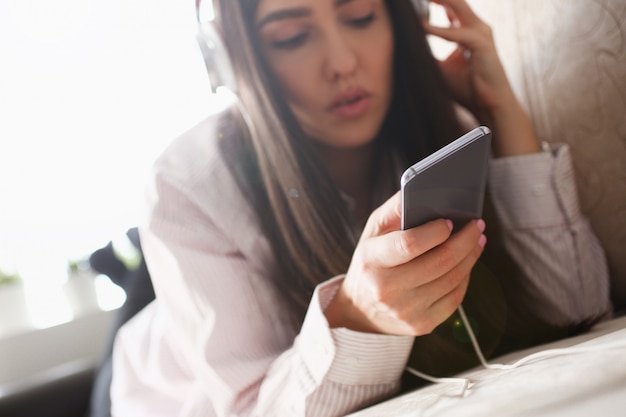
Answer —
(215, 55)
(421, 7)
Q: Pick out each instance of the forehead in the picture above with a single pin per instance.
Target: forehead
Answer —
(272, 4)
(269, 6)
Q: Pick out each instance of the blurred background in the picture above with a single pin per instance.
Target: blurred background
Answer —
(91, 91)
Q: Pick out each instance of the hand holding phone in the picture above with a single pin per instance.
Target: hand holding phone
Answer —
(449, 183)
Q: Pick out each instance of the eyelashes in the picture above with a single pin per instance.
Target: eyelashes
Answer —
(362, 22)
(292, 42)
(301, 38)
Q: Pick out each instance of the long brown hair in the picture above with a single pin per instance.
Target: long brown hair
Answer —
(298, 206)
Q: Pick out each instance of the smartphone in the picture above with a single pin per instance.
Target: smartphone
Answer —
(449, 183)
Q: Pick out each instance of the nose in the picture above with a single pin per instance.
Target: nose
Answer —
(341, 57)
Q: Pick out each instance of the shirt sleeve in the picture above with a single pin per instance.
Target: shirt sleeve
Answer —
(562, 262)
(227, 328)
(331, 372)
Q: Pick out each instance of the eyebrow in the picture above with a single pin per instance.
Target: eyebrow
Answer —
(283, 14)
(292, 13)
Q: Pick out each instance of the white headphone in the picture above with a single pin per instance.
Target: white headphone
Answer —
(214, 52)
(421, 6)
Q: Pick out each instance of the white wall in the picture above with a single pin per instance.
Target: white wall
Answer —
(90, 92)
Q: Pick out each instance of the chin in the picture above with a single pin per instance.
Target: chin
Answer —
(351, 137)
(351, 142)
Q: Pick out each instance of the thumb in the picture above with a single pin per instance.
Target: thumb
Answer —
(385, 218)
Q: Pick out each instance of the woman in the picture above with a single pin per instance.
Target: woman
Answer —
(284, 285)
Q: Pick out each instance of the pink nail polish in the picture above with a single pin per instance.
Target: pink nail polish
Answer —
(481, 225)
(450, 224)
(482, 241)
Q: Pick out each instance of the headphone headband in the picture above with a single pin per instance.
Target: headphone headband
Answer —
(210, 40)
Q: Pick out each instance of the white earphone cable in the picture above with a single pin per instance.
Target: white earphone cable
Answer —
(544, 354)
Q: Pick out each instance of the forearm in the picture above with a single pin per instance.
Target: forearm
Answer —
(564, 271)
(512, 130)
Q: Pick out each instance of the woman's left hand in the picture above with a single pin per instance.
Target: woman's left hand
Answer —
(473, 70)
(476, 78)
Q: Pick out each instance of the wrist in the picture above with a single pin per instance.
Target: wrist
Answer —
(512, 130)
(342, 312)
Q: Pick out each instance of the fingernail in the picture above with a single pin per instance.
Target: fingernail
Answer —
(482, 241)
(481, 225)
(450, 224)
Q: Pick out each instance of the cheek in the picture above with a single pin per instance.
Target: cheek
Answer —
(381, 58)
(296, 79)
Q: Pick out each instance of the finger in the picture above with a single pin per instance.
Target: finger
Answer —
(459, 9)
(385, 218)
(444, 285)
(455, 59)
(421, 307)
(454, 21)
(454, 67)
(428, 306)
(443, 308)
(402, 246)
(475, 31)
(447, 256)
(466, 37)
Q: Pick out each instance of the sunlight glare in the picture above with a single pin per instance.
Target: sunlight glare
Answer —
(47, 304)
(109, 295)
(50, 21)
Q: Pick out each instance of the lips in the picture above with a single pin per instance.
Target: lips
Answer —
(350, 103)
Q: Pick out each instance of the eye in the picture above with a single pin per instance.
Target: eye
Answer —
(292, 42)
(363, 21)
